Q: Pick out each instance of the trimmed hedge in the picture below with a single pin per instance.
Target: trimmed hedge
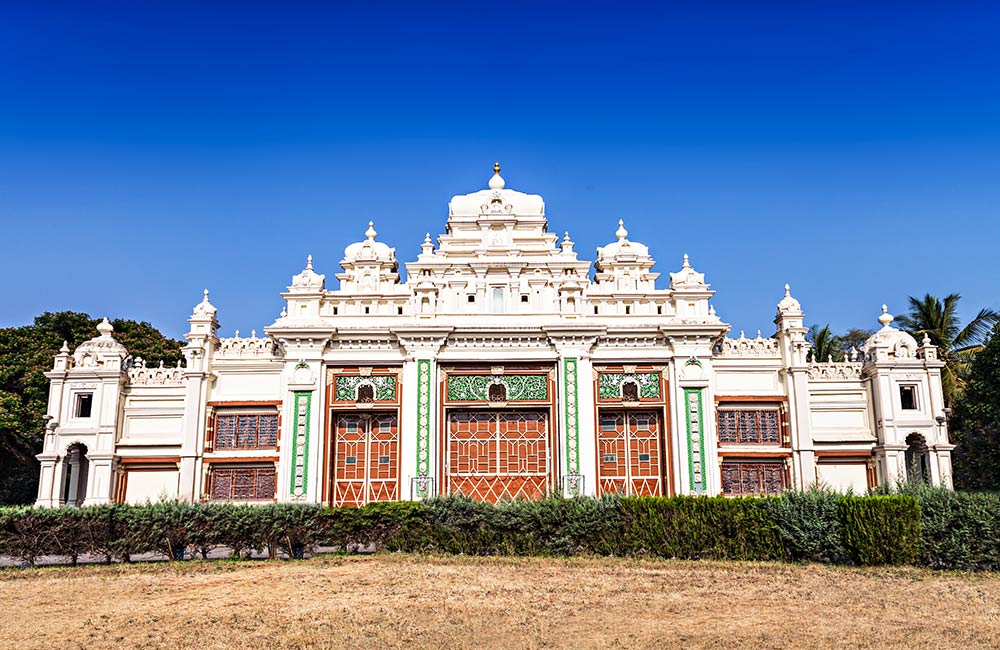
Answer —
(932, 527)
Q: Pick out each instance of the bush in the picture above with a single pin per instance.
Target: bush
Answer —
(929, 526)
(699, 527)
(880, 529)
(959, 530)
(809, 525)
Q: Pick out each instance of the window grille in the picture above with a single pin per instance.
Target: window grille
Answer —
(749, 427)
(246, 431)
(751, 478)
(243, 483)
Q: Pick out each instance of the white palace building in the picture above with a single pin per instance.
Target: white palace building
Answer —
(502, 368)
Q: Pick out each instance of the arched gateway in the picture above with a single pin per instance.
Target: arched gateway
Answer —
(503, 367)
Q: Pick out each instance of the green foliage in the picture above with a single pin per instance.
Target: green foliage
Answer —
(959, 530)
(809, 525)
(880, 529)
(924, 525)
(699, 527)
(25, 355)
(957, 345)
(975, 427)
(825, 346)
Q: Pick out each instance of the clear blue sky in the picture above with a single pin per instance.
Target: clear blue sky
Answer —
(151, 149)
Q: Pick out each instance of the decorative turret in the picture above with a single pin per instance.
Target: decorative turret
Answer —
(101, 351)
(308, 281)
(369, 265)
(624, 265)
(790, 330)
(889, 342)
(202, 337)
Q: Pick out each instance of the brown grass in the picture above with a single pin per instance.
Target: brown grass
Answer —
(448, 602)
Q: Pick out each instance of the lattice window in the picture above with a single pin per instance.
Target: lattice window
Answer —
(749, 426)
(745, 478)
(246, 431)
(243, 483)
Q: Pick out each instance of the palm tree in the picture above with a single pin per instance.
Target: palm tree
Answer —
(956, 345)
(825, 346)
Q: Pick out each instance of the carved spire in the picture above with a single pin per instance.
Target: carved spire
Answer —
(687, 262)
(497, 182)
(309, 263)
(621, 233)
(886, 318)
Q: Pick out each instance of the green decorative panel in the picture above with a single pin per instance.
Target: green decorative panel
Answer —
(383, 385)
(609, 384)
(694, 415)
(300, 443)
(423, 425)
(518, 387)
(572, 419)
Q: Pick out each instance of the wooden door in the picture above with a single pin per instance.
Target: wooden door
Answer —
(629, 453)
(366, 459)
(498, 455)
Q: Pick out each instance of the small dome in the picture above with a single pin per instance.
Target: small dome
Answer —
(623, 247)
(788, 303)
(369, 249)
(896, 343)
(308, 279)
(101, 350)
(204, 308)
(497, 182)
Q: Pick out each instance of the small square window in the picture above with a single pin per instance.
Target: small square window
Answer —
(472, 297)
(908, 398)
(524, 298)
(368, 310)
(399, 310)
(383, 460)
(84, 405)
(351, 460)
(609, 458)
(643, 458)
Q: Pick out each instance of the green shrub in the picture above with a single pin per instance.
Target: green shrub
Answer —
(699, 527)
(809, 525)
(959, 530)
(880, 529)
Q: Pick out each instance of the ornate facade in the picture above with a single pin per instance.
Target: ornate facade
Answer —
(501, 368)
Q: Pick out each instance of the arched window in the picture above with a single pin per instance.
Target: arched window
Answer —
(630, 391)
(497, 393)
(366, 394)
(917, 459)
(75, 475)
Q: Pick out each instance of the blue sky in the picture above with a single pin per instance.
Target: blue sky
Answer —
(149, 150)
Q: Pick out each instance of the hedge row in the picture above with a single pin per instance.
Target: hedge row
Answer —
(926, 526)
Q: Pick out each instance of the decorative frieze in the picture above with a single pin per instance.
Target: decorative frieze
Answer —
(247, 348)
(300, 444)
(140, 375)
(835, 371)
(350, 388)
(612, 385)
(694, 416)
(744, 347)
(481, 388)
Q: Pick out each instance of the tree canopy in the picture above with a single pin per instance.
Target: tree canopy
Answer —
(976, 424)
(957, 345)
(25, 355)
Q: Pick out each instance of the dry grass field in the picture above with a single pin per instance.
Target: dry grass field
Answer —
(448, 602)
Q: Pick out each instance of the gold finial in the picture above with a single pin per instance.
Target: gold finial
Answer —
(496, 168)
